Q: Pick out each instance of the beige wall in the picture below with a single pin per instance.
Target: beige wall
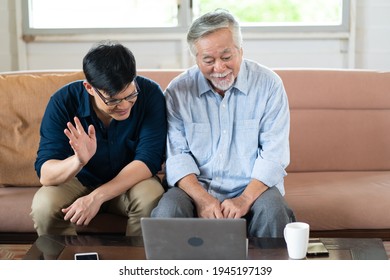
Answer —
(8, 49)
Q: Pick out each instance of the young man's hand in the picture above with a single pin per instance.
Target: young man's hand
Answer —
(82, 211)
(84, 145)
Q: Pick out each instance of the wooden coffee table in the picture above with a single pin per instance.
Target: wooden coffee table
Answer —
(131, 248)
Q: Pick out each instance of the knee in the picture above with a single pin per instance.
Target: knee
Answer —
(164, 208)
(144, 197)
(174, 203)
(149, 200)
(279, 213)
(43, 206)
(272, 206)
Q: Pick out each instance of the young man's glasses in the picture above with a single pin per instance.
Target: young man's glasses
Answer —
(114, 101)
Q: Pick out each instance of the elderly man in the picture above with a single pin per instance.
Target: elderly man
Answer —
(228, 134)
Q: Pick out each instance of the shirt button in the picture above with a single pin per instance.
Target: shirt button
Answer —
(224, 131)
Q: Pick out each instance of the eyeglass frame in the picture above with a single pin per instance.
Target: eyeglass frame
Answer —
(118, 101)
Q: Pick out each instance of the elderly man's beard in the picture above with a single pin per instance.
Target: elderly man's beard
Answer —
(222, 81)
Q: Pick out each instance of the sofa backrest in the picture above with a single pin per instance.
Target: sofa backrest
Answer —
(23, 99)
(340, 119)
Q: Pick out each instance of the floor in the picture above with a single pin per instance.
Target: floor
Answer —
(17, 251)
(13, 251)
(386, 244)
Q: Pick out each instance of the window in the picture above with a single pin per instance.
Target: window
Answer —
(279, 12)
(90, 16)
(76, 14)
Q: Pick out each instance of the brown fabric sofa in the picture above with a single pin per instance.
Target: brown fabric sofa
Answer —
(338, 180)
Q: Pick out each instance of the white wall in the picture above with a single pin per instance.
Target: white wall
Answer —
(370, 46)
(373, 34)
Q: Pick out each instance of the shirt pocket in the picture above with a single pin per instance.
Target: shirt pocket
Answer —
(199, 140)
(246, 138)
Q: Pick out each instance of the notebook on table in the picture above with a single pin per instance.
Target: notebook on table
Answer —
(194, 239)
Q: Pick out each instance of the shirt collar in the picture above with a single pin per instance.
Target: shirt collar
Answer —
(203, 83)
(241, 83)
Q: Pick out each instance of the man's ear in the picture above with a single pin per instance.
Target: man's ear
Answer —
(89, 88)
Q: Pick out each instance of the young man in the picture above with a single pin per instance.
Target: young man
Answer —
(228, 131)
(102, 142)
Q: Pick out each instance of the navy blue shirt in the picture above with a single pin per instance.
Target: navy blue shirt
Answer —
(141, 137)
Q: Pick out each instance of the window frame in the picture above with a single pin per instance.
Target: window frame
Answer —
(184, 21)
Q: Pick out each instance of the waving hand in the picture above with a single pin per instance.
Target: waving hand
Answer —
(83, 144)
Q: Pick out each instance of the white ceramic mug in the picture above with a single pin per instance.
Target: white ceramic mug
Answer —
(297, 239)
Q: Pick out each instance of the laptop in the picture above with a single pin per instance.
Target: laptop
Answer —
(194, 239)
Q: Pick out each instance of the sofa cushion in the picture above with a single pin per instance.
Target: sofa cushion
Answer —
(15, 208)
(23, 101)
(340, 200)
(340, 140)
(340, 119)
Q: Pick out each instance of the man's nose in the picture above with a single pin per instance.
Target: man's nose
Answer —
(219, 66)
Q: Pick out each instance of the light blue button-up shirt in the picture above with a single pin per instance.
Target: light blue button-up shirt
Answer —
(227, 141)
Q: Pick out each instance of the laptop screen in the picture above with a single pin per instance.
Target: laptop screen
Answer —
(194, 238)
